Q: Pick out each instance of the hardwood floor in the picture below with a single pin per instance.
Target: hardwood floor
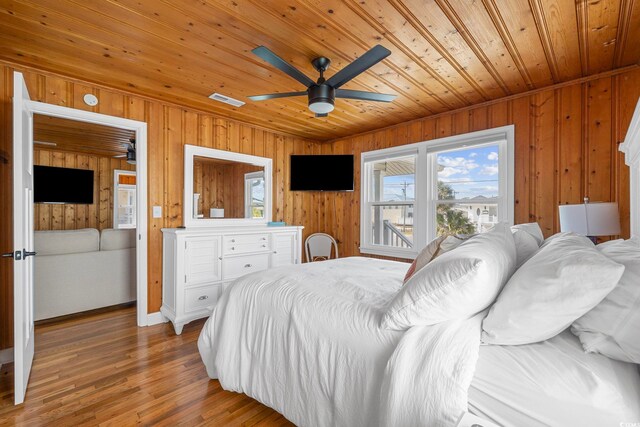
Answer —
(103, 370)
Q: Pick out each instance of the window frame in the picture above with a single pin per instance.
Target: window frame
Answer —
(424, 209)
(366, 204)
(116, 204)
(248, 206)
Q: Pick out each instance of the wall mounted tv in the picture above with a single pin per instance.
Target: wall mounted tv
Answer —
(322, 172)
(62, 185)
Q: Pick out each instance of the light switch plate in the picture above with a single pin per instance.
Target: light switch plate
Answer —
(157, 211)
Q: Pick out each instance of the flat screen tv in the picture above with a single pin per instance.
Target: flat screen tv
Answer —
(62, 185)
(322, 172)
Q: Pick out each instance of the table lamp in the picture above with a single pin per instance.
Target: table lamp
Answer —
(590, 219)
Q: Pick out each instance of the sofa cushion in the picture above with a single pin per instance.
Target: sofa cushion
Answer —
(114, 239)
(60, 242)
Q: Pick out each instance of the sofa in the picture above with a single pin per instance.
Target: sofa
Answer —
(80, 270)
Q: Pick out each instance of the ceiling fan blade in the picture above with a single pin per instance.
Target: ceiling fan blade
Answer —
(282, 65)
(364, 96)
(322, 115)
(366, 61)
(119, 156)
(276, 95)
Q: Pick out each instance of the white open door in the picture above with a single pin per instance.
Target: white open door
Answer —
(23, 339)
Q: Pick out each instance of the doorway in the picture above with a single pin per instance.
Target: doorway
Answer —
(24, 110)
(139, 129)
(84, 217)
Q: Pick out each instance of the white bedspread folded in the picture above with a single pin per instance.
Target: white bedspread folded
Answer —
(306, 341)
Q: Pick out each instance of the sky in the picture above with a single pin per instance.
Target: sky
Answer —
(471, 172)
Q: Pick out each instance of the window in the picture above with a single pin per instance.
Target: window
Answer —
(254, 195)
(124, 204)
(413, 193)
(391, 201)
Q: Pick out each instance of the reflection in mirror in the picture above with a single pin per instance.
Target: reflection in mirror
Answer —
(227, 189)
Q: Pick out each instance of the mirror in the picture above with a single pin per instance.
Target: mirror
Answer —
(225, 187)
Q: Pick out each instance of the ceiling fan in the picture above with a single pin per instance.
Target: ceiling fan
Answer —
(131, 152)
(322, 93)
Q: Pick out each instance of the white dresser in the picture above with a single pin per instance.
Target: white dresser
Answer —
(198, 263)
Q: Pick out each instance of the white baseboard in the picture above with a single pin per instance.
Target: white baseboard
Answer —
(156, 318)
(6, 356)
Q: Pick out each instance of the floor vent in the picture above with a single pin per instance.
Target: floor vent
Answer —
(226, 100)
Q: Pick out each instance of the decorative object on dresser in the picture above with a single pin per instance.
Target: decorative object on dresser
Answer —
(198, 264)
(590, 219)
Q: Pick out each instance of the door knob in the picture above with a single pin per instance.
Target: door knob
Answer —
(26, 253)
(7, 255)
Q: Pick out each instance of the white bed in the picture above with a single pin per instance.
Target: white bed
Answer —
(307, 342)
(555, 383)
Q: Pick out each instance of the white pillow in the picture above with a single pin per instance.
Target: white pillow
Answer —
(457, 284)
(532, 228)
(566, 278)
(612, 328)
(526, 246)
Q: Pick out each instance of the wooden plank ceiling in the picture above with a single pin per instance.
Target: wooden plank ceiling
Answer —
(79, 137)
(446, 54)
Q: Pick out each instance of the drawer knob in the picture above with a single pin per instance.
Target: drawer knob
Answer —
(264, 246)
(264, 238)
(233, 248)
(275, 252)
(247, 265)
(203, 297)
(233, 240)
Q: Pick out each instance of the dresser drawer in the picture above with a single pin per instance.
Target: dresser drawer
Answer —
(233, 267)
(246, 243)
(200, 298)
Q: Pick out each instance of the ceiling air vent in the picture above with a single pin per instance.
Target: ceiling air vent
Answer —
(226, 100)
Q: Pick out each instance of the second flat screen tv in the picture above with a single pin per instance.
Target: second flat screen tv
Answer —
(62, 185)
(322, 172)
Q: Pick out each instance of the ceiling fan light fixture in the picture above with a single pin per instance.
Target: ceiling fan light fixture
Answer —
(321, 99)
(322, 93)
(321, 107)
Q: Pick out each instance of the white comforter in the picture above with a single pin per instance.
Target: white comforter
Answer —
(306, 341)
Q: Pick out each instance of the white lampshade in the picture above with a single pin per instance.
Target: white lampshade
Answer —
(590, 219)
(321, 107)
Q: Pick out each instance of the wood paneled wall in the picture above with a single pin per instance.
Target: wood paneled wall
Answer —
(566, 140)
(70, 216)
(566, 147)
(169, 128)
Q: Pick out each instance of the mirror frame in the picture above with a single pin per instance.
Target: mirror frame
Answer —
(191, 151)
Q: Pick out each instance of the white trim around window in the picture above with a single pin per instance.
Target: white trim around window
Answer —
(426, 172)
